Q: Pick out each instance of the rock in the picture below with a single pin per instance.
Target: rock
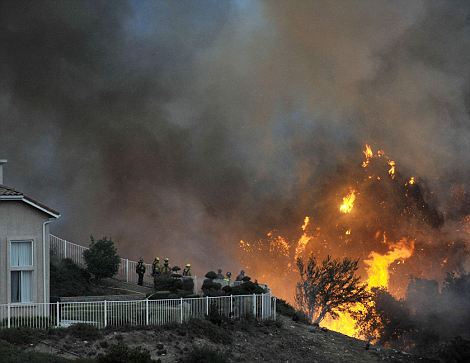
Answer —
(324, 329)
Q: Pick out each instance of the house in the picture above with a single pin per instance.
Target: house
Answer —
(24, 246)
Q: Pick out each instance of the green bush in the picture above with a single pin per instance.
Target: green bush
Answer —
(247, 288)
(164, 283)
(68, 279)
(205, 355)
(122, 354)
(211, 275)
(101, 258)
(211, 288)
(188, 284)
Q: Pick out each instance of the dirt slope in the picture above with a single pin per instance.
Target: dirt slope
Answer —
(284, 341)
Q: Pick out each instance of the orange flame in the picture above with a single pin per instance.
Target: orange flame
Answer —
(378, 265)
(368, 154)
(377, 276)
(391, 171)
(348, 202)
(303, 240)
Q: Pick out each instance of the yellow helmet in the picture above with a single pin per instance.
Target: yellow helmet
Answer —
(188, 265)
(166, 259)
(157, 258)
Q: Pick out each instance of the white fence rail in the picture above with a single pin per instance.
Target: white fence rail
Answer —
(135, 313)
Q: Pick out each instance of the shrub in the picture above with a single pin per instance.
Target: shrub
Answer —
(101, 258)
(122, 354)
(247, 288)
(68, 279)
(205, 355)
(227, 289)
(84, 331)
(164, 283)
(211, 288)
(188, 284)
(211, 275)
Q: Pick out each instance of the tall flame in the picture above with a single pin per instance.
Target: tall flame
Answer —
(303, 240)
(377, 276)
(391, 171)
(368, 154)
(378, 265)
(348, 202)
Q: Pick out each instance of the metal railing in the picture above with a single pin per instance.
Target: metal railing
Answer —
(137, 312)
(64, 249)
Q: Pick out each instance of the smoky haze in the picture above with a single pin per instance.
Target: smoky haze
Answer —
(179, 128)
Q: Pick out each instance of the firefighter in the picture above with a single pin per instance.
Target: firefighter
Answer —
(140, 270)
(240, 276)
(228, 275)
(166, 267)
(156, 267)
(155, 271)
(187, 270)
(220, 275)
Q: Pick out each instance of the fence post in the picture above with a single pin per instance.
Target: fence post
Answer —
(147, 311)
(9, 315)
(57, 315)
(231, 307)
(275, 304)
(127, 270)
(207, 305)
(105, 315)
(195, 285)
(181, 311)
(65, 249)
(262, 306)
(254, 306)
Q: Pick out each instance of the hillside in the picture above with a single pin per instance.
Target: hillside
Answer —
(249, 341)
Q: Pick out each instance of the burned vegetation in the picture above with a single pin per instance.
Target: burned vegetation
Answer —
(411, 256)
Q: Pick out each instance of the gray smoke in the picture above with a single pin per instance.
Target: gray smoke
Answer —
(178, 128)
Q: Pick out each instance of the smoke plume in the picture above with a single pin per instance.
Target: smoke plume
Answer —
(179, 128)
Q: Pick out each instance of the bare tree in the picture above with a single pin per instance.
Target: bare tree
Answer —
(329, 287)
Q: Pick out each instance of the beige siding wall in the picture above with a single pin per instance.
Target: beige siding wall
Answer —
(19, 221)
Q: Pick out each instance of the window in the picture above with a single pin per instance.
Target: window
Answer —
(21, 254)
(21, 264)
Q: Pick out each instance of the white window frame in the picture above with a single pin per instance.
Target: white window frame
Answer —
(26, 268)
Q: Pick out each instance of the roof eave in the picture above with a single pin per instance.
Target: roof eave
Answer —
(31, 203)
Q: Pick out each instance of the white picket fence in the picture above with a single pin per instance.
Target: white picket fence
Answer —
(135, 313)
(64, 249)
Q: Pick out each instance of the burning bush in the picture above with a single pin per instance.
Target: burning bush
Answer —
(328, 288)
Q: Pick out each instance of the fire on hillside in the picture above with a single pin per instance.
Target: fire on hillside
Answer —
(376, 214)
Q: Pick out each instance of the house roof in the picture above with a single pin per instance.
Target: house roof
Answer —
(7, 193)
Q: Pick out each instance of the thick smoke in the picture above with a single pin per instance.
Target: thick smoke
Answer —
(179, 128)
